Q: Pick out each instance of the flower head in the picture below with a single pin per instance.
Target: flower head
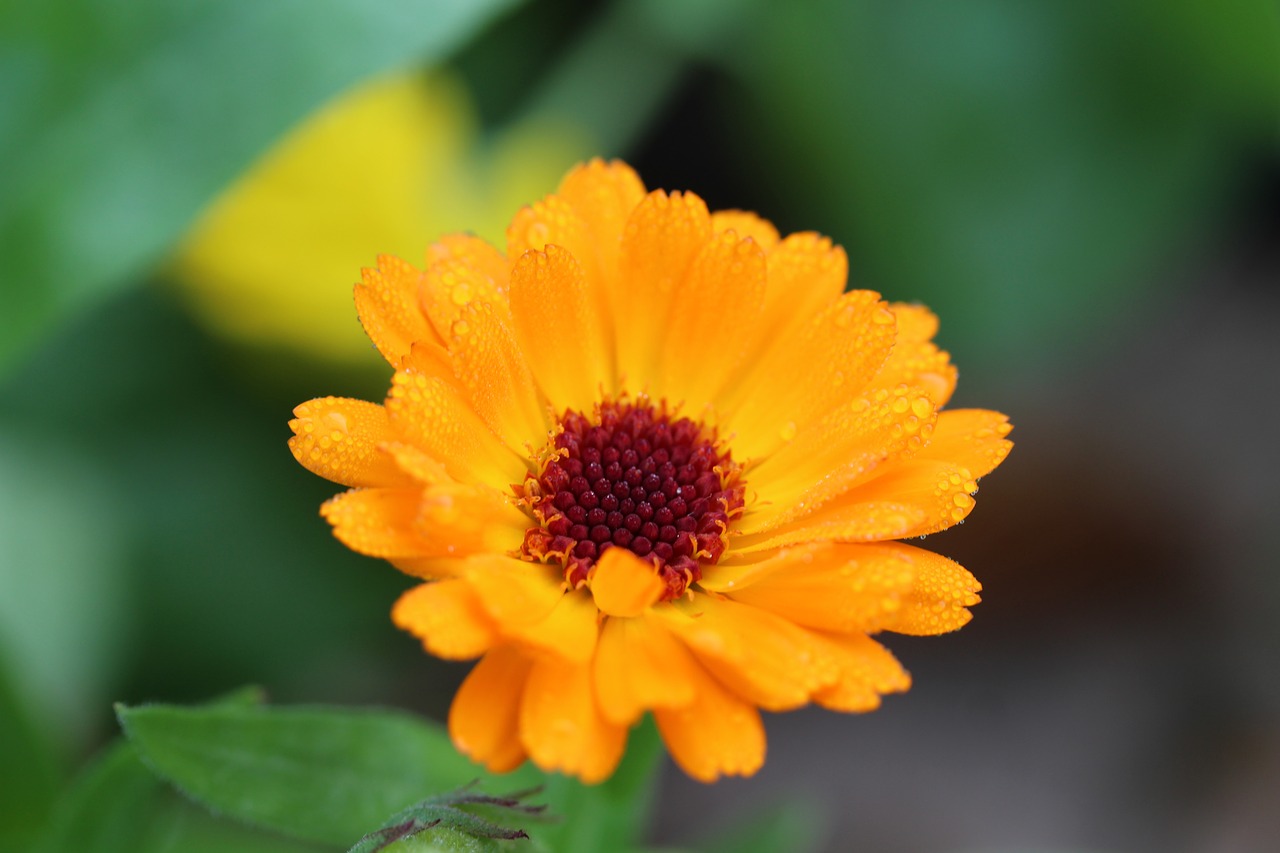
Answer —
(652, 459)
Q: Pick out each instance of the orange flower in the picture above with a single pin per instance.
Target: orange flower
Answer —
(652, 459)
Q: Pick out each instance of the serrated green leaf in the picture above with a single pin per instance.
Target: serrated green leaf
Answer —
(121, 120)
(322, 774)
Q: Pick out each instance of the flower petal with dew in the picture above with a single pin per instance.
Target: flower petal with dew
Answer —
(652, 459)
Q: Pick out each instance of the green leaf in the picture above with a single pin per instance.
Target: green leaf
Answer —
(612, 815)
(120, 121)
(119, 806)
(452, 812)
(322, 774)
(116, 805)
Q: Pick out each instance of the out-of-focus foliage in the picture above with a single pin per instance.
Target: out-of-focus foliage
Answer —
(1022, 168)
(127, 118)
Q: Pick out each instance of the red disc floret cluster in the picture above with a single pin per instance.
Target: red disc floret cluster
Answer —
(633, 477)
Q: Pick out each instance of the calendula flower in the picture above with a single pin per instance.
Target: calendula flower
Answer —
(651, 459)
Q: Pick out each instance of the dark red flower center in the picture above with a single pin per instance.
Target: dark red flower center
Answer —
(633, 477)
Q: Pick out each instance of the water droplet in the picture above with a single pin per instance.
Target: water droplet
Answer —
(921, 407)
(460, 327)
(788, 431)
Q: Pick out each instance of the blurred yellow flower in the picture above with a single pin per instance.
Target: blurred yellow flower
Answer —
(382, 168)
(652, 459)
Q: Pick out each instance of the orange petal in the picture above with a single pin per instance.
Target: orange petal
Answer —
(867, 670)
(715, 735)
(339, 438)
(805, 274)
(561, 726)
(462, 271)
(761, 657)
(826, 458)
(559, 329)
(972, 438)
(492, 371)
(830, 361)
(475, 254)
(514, 592)
(387, 302)
(448, 617)
(915, 359)
(842, 520)
(746, 224)
(638, 666)
(457, 520)
(429, 413)
(483, 720)
(569, 631)
(940, 490)
(727, 273)
(940, 593)
(603, 195)
(844, 588)
(622, 584)
(660, 241)
(377, 522)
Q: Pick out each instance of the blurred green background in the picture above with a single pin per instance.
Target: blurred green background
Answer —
(1088, 193)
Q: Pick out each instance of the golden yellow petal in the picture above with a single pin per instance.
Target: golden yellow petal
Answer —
(377, 522)
(844, 588)
(638, 666)
(339, 438)
(972, 438)
(387, 303)
(559, 329)
(561, 726)
(716, 735)
(761, 657)
(867, 671)
(492, 371)
(484, 717)
(940, 594)
(429, 412)
(622, 584)
(448, 617)
(746, 224)
(700, 352)
(846, 446)
(827, 363)
(659, 243)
